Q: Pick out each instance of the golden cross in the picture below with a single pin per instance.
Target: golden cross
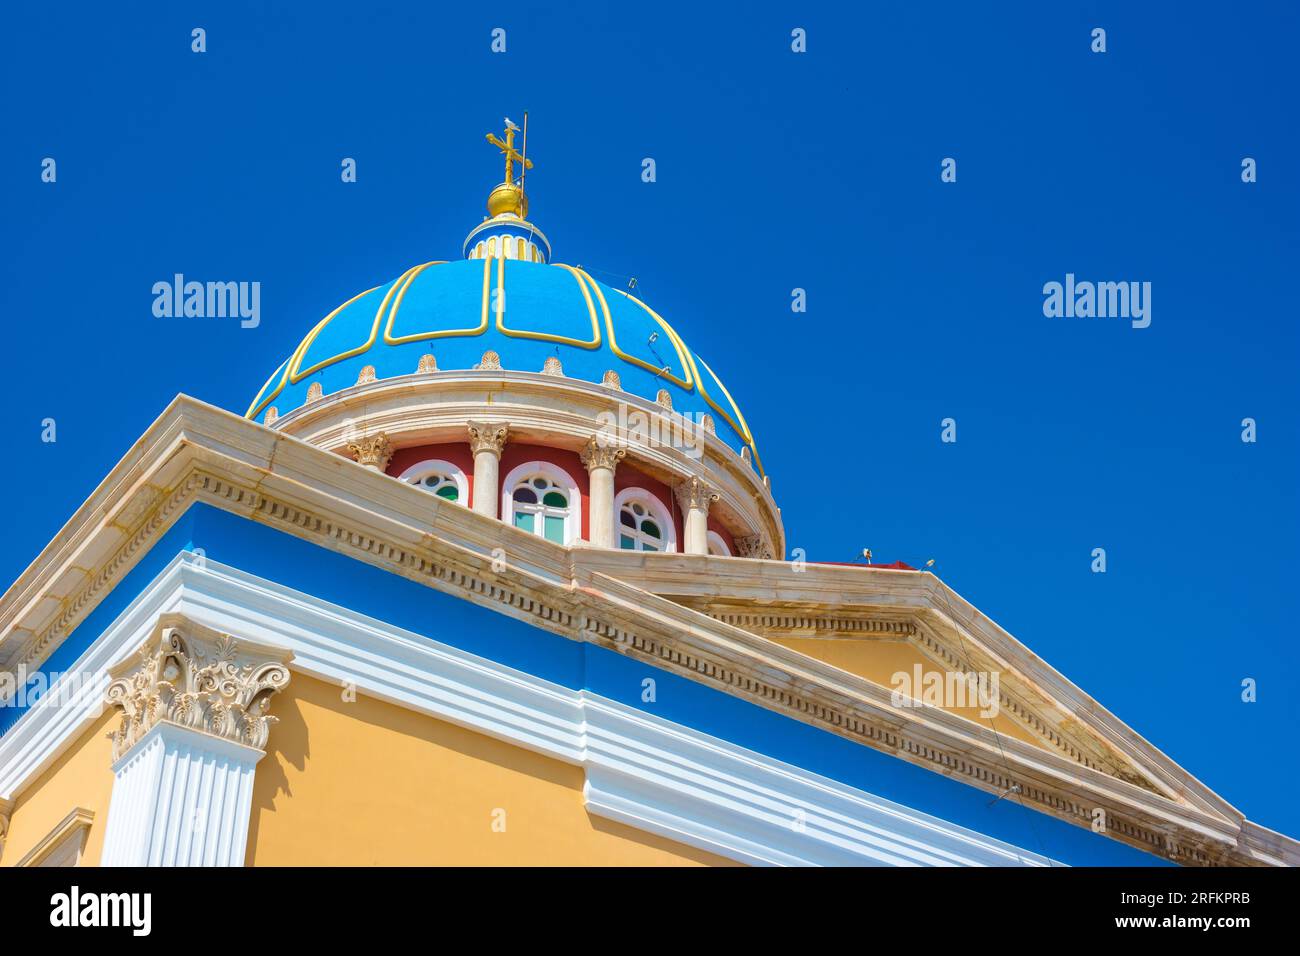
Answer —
(508, 147)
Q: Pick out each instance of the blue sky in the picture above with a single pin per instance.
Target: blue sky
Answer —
(775, 171)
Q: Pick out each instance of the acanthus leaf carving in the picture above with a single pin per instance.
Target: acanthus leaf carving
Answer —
(193, 678)
(598, 453)
(488, 436)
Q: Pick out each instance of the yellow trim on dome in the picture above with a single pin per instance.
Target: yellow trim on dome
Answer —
(738, 424)
(668, 330)
(390, 339)
(594, 343)
(296, 375)
(741, 427)
(256, 409)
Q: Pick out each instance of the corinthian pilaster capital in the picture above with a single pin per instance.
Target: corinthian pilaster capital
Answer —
(693, 494)
(596, 454)
(373, 451)
(488, 436)
(753, 546)
(193, 677)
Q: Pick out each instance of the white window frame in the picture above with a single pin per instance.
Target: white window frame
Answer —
(720, 543)
(531, 469)
(657, 510)
(423, 468)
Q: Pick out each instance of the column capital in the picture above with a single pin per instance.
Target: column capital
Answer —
(488, 436)
(373, 451)
(596, 454)
(694, 495)
(753, 546)
(193, 677)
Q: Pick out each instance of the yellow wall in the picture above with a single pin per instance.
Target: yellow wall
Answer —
(81, 777)
(366, 782)
(879, 660)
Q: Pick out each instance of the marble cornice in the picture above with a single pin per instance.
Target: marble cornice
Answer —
(197, 453)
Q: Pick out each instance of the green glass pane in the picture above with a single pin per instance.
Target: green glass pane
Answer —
(450, 492)
(648, 547)
(524, 520)
(650, 528)
(555, 499)
(554, 529)
(626, 543)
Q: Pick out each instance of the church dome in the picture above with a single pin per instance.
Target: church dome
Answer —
(530, 392)
(530, 314)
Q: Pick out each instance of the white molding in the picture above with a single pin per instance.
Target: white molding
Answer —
(547, 469)
(717, 541)
(660, 511)
(442, 466)
(63, 845)
(640, 769)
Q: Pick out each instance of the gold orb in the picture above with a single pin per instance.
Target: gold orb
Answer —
(508, 198)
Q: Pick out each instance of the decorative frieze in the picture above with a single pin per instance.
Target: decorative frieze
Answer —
(198, 680)
(611, 380)
(491, 362)
(427, 364)
(552, 366)
(366, 375)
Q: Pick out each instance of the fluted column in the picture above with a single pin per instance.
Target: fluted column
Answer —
(695, 496)
(601, 459)
(194, 724)
(487, 440)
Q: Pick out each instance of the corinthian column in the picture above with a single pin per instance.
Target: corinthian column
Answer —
(373, 451)
(601, 460)
(487, 441)
(194, 723)
(694, 496)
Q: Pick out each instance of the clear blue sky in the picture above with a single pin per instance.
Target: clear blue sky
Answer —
(822, 169)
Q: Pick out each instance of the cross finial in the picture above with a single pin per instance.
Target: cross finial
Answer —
(508, 148)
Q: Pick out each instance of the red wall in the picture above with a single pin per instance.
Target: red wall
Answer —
(625, 476)
(515, 455)
(457, 453)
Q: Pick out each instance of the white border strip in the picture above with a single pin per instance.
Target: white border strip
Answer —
(641, 769)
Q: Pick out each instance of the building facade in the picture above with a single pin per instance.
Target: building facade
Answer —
(490, 572)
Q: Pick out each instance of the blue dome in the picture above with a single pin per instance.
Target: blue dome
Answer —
(524, 311)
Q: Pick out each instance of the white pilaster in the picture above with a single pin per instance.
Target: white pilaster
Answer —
(194, 706)
(180, 798)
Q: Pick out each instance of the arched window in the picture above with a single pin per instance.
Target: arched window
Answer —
(543, 500)
(440, 478)
(642, 523)
(718, 546)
